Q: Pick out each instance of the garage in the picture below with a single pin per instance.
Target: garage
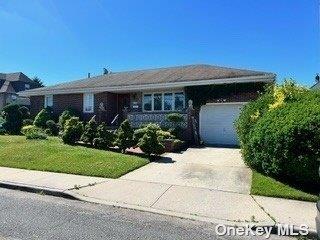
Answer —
(216, 123)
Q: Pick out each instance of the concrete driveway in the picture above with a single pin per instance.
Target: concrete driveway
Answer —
(211, 168)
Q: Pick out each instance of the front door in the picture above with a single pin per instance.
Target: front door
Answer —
(123, 102)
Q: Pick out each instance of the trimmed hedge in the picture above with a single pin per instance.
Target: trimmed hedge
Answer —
(286, 143)
(280, 134)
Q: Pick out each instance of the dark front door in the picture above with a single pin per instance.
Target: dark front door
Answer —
(123, 102)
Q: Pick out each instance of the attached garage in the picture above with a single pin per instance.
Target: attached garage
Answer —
(216, 123)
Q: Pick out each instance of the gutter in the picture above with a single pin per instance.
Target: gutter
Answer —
(265, 78)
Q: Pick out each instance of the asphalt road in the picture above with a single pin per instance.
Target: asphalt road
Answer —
(34, 216)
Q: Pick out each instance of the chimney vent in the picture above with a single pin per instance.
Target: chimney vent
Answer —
(88, 75)
(105, 71)
(317, 78)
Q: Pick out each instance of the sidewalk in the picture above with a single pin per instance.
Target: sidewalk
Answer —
(181, 201)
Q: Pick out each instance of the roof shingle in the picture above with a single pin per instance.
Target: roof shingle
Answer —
(154, 76)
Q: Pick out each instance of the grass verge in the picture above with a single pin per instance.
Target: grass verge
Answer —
(267, 186)
(54, 156)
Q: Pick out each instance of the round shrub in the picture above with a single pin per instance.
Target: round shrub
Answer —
(42, 117)
(72, 131)
(52, 128)
(12, 119)
(138, 133)
(175, 118)
(285, 143)
(150, 143)
(33, 132)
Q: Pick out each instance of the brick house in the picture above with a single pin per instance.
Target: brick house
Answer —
(149, 95)
(10, 85)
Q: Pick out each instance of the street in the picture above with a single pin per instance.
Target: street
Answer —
(35, 216)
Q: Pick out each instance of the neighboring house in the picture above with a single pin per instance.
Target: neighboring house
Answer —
(10, 85)
(145, 96)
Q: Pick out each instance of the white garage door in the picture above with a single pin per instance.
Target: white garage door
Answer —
(217, 123)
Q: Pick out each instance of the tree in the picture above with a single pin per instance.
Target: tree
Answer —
(124, 134)
(42, 117)
(38, 82)
(105, 137)
(13, 118)
(66, 115)
(90, 131)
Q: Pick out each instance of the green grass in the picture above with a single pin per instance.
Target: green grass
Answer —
(54, 156)
(267, 186)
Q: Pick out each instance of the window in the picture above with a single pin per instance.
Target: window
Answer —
(27, 86)
(179, 101)
(88, 102)
(167, 101)
(157, 101)
(48, 101)
(147, 102)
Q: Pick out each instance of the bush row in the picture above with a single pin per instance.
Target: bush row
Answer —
(149, 138)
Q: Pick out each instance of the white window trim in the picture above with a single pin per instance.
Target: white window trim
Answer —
(163, 92)
(85, 96)
(46, 101)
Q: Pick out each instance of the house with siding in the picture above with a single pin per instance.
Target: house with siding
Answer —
(215, 93)
(10, 85)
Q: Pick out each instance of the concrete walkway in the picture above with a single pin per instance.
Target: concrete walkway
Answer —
(182, 201)
(209, 167)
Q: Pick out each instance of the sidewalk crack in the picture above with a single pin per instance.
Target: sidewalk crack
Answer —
(262, 208)
(160, 196)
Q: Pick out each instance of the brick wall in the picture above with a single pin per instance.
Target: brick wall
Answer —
(36, 104)
(62, 102)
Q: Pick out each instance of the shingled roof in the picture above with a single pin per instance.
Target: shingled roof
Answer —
(13, 77)
(6, 80)
(166, 77)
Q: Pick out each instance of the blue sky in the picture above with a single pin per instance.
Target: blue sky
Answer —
(61, 40)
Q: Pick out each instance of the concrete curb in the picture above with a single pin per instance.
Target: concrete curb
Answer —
(36, 189)
(73, 196)
(163, 212)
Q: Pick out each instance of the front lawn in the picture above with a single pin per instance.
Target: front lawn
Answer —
(54, 156)
(267, 186)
